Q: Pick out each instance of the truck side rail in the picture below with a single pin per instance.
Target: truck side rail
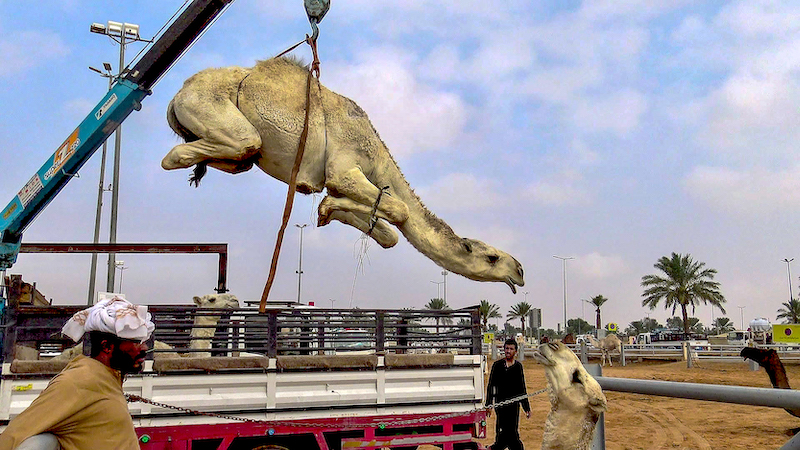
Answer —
(280, 331)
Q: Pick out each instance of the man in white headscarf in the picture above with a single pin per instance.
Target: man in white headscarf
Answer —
(84, 405)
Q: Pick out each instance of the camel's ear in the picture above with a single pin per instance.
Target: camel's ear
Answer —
(196, 300)
(467, 245)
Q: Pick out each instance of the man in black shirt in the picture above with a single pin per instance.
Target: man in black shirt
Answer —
(506, 381)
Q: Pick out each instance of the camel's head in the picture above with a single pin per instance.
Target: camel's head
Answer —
(217, 301)
(762, 356)
(482, 262)
(570, 384)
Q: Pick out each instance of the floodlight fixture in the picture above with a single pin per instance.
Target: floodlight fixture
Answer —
(98, 28)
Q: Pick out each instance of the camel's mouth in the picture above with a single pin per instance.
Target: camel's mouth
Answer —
(541, 355)
(513, 284)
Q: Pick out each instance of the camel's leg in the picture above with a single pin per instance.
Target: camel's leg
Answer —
(384, 235)
(354, 185)
(330, 204)
(224, 132)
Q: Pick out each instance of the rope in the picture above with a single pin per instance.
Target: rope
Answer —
(287, 210)
(137, 398)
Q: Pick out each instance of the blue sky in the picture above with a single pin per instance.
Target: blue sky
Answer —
(615, 132)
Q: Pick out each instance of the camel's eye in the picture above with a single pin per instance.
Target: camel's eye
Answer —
(492, 259)
(576, 377)
(212, 299)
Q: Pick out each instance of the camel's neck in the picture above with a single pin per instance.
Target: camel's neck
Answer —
(777, 374)
(565, 429)
(423, 230)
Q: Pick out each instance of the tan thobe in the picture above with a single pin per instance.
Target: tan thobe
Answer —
(83, 406)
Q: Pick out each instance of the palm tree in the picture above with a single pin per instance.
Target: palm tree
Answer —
(488, 311)
(723, 325)
(598, 301)
(520, 311)
(685, 282)
(438, 304)
(790, 311)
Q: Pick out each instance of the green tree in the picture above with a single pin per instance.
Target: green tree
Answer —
(578, 326)
(684, 282)
(598, 301)
(488, 311)
(520, 311)
(790, 311)
(438, 304)
(722, 325)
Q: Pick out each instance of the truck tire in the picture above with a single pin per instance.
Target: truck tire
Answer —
(270, 447)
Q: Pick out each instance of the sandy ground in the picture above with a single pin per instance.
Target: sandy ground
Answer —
(636, 421)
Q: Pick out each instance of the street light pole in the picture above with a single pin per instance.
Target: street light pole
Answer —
(789, 269)
(444, 282)
(123, 34)
(121, 266)
(438, 288)
(300, 260)
(741, 313)
(100, 191)
(564, 271)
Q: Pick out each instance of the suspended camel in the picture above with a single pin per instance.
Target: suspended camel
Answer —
(233, 118)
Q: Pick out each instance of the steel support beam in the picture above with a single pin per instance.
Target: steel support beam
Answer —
(775, 398)
(220, 249)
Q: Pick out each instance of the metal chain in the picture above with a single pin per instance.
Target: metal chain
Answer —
(137, 398)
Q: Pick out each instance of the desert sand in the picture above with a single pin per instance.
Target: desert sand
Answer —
(635, 421)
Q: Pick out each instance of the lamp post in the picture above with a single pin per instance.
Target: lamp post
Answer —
(100, 190)
(444, 282)
(121, 266)
(331, 300)
(300, 260)
(741, 313)
(438, 288)
(789, 269)
(583, 313)
(564, 260)
(122, 34)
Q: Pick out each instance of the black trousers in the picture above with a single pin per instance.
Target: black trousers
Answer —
(507, 429)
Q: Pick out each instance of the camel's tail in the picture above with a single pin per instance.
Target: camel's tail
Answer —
(177, 127)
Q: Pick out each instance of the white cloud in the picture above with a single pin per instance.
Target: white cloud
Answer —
(619, 112)
(745, 192)
(461, 192)
(409, 115)
(21, 51)
(597, 266)
(565, 188)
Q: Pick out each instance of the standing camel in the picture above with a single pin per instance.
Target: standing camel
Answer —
(233, 118)
(606, 346)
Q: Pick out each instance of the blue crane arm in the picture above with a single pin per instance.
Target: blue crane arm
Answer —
(124, 97)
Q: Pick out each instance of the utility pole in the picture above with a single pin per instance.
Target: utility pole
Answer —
(123, 34)
(300, 260)
(564, 260)
(100, 191)
(789, 269)
(444, 278)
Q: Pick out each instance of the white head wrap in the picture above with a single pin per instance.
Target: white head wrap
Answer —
(116, 316)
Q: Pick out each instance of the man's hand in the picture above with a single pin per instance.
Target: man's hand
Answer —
(488, 413)
(528, 414)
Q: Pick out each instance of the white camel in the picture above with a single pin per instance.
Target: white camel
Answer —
(606, 345)
(232, 118)
(202, 330)
(576, 399)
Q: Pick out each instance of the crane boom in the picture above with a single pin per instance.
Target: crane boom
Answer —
(124, 97)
